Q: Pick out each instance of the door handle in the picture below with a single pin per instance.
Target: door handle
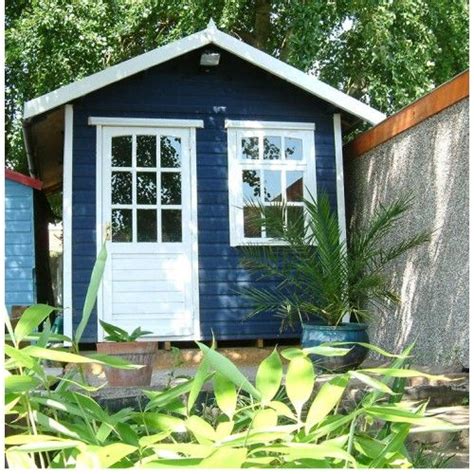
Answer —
(108, 231)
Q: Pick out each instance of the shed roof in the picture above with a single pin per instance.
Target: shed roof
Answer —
(210, 35)
(23, 179)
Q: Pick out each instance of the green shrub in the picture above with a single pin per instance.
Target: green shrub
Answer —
(246, 425)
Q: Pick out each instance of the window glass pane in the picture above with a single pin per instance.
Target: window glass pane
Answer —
(170, 188)
(272, 148)
(170, 152)
(293, 148)
(294, 186)
(250, 148)
(251, 225)
(146, 188)
(146, 150)
(296, 218)
(146, 225)
(171, 225)
(251, 185)
(121, 188)
(272, 187)
(122, 151)
(121, 225)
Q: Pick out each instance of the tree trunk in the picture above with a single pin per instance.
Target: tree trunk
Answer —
(262, 23)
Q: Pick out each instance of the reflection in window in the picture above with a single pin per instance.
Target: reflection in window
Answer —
(146, 225)
(170, 188)
(146, 150)
(170, 152)
(122, 151)
(251, 222)
(272, 148)
(146, 188)
(272, 189)
(294, 186)
(251, 185)
(171, 228)
(293, 148)
(250, 148)
(121, 187)
(121, 225)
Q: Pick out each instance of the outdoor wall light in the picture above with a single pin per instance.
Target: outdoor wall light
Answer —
(210, 58)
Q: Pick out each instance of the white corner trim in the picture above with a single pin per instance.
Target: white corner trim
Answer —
(341, 202)
(256, 124)
(67, 219)
(99, 229)
(190, 43)
(145, 122)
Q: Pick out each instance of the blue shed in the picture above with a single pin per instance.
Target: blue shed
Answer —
(156, 155)
(25, 248)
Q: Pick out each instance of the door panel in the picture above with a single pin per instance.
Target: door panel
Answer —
(147, 204)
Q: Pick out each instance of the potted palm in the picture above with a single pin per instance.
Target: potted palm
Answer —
(323, 278)
(125, 345)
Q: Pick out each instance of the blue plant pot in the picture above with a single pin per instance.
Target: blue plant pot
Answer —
(314, 335)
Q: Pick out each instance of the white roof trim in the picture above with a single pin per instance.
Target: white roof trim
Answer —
(145, 122)
(257, 124)
(177, 48)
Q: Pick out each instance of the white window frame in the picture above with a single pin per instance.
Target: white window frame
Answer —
(236, 130)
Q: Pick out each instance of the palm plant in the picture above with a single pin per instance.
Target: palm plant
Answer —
(321, 277)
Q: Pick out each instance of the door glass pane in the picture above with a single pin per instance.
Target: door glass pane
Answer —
(272, 148)
(249, 148)
(272, 188)
(146, 188)
(171, 228)
(293, 148)
(251, 222)
(296, 218)
(170, 152)
(146, 225)
(121, 225)
(121, 187)
(251, 185)
(294, 186)
(146, 150)
(122, 151)
(170, 188)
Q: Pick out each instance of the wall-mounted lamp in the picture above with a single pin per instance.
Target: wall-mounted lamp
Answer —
(210, 58)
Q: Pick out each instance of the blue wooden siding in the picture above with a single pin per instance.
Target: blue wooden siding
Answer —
(19, 245)
(179, 89)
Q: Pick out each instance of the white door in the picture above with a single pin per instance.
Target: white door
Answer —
(149, 204)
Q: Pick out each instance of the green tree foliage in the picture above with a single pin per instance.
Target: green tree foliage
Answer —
(384, 52)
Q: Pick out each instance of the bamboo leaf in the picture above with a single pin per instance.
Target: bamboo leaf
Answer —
(226, 368)
(371, 382)
(162, 422)
(269, 375)
(264, 419)
(201, 429)
(92, 290)
(197, 383)
(91, 457)
(326, 351)
(299, 382)
(226, 394)
(326, 400)
(31, 319)
(225, 458)
(20, 383)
